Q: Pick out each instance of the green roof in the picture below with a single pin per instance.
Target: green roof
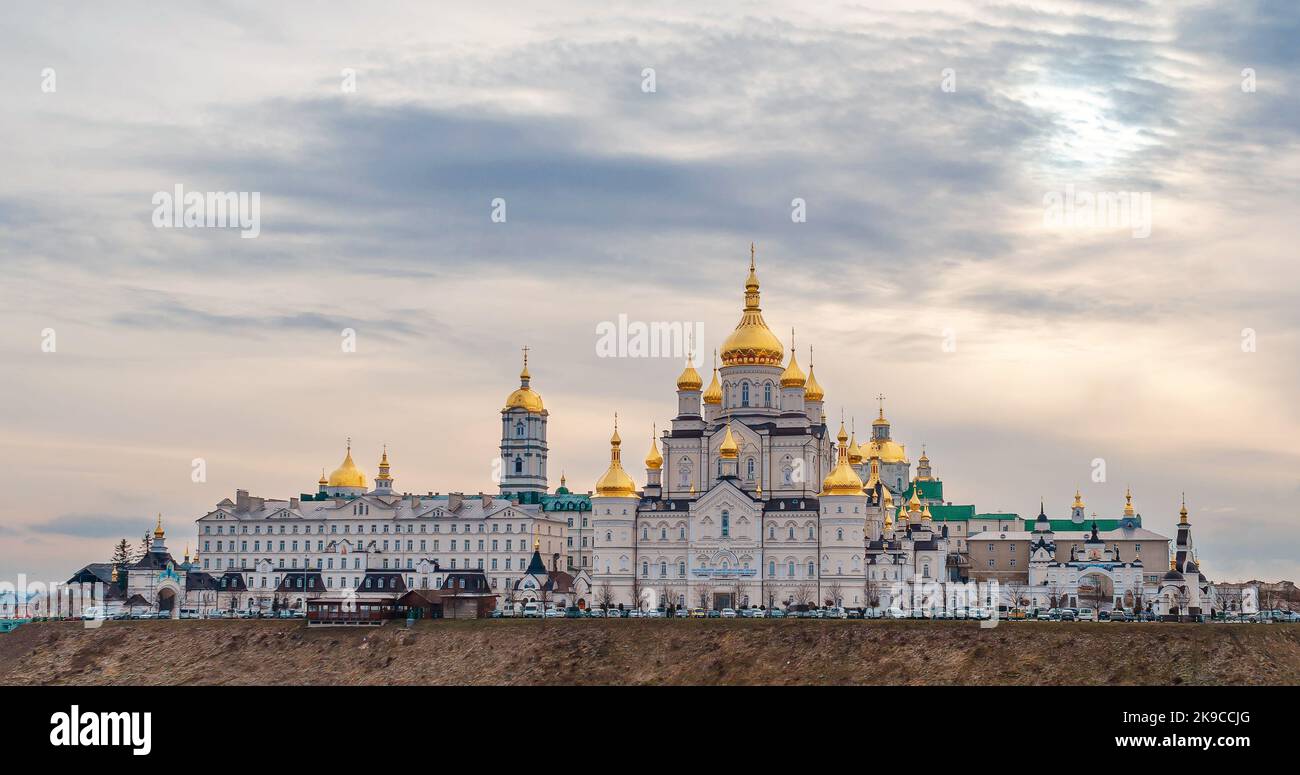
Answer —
(931, 490)
(566, 501)
(951, 513)
(1070, 526)
(998, 515)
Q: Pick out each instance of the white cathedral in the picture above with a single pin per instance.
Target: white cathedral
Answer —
(751, 501)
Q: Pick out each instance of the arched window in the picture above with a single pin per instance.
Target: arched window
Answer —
(519, 430)
(663, 569)
(645, 533)
(771, 568)
(767, 394)
(681, 532)
(645, 568)
(791, 536)
(609, 537)
(744, 394)
(726, 523)
(663, 534)
(790, 569)
(749, 469)
(771, 532)
(519, 465)
(681, 569)
(812, 569)
(839, 534)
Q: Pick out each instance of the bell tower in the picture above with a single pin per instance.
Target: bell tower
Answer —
(523, 441)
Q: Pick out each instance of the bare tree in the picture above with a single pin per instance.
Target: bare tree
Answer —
(870, 591)
(605, 595)
(638, 593)
(834, 594)
(803, 595)
(704, 597)
(666, 598)
(1015, 590)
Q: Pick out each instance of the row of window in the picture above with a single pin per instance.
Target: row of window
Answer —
(374, 528)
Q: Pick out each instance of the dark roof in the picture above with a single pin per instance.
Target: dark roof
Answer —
(233, 580)
(153, 561)
(535, 565)
(136, 599)
(293, 581)
(96, 571)
(198, 580)
(386, 580)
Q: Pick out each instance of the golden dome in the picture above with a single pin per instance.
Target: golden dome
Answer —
(1128, 502)
(729, 449)
(902, 515)
(915, 502)
(1078, 500)
(615, 483)
(714, 394)
(323, 481)
(158, 531)
(1182, 513)
(889, 496)
(653, 460)
(926, 514)
(855, 452)
(874, 479)
(842, 480)
(887, 450)
(752, 343)
(347, 474)
(384, 468)
(525, 397)
(690, 378)
(793, 376)
(813, 389)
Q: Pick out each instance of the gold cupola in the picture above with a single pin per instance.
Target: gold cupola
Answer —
(524, 396)
(384, 468)
(842, 480)
(855, 452)
(653, 460)
(752, 343)
(689, 379)
(1128, 502)
(158, 531)
(1078, 500)
(813, 389)
(615, 483)
(915, 503)
(714, 394)
(323, 481)
(347, 474)
(793, 376)
(882, 446)
(729, 449)
(1182, 513)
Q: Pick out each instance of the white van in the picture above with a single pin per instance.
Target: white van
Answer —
(532, 611)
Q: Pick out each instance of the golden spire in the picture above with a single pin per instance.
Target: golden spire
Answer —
(1078, 500)
(524, 396)
(615, 483)
(653, 460)
(714, 394)
(729, 449)
(881, 419)
(889, 521)
(813, 389)
(1128, 501)
(323, 480)
(925, 515)
(752, 342)
(793, 376)
(842, 480)
(384, 467)
(889, 496)
(915, 502)
(874, 479)
(158, 531)
(855, 452)
(902, 515)
(1182, 513)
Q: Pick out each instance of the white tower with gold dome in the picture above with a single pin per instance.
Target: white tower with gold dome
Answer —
(613, 514)
(523, 442)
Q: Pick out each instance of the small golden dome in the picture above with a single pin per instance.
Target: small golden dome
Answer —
(384, 468)
(158, 531)
(347, 474)
(1128, 502)
(1182, 513)
(524, 396)
(925, 515)
(889, 496)
(902, 515)
(842, 480)
(752, 343)
(793, 376)
(714, 394)
(690, 378)
(1078, 500)
(855, 452)
(323, 480)
(615, 483)
(653, 460)
(729, 449)
(813, 389)
(915, 502)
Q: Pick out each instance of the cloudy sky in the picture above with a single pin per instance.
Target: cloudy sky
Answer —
(924, 138)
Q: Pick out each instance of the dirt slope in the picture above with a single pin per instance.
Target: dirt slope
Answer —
(651, 652)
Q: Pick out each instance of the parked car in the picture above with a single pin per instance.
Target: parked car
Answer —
(1087, 615)
(533, 611)
(758, 613)
(1044, 615)
(776, 613)
(655, 613)
(728, 613)
(714, 615)
(835, 612)
(698, 613)
(1069, 615)
(681, 613)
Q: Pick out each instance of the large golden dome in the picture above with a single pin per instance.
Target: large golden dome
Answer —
(752, 343)
(887, 450)
(843, 480)
(525, 397)
(347, 474)
(615, 483)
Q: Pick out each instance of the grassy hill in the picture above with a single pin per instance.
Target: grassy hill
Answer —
(651, 652)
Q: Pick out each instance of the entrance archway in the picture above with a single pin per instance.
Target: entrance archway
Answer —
(166, 600)
(1097, 590)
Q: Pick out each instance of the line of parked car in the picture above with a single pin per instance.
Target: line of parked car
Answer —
(1084, 614)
